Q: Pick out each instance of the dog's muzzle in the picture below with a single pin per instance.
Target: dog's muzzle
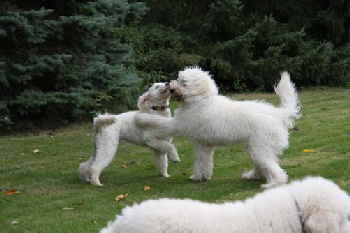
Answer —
(173, 91)
(167, 85)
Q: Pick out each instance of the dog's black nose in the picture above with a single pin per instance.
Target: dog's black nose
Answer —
(172, 90)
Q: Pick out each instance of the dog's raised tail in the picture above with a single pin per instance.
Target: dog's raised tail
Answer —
(286, 90)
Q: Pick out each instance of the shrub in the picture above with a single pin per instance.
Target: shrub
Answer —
(254, 59)
(157, 51)
(246, 44)
(63, 67)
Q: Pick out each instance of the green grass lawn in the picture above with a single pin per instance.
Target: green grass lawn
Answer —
(51, 198)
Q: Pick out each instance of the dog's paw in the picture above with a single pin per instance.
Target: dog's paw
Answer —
(84, 178)
(174, 157)
(251, 175)
(97, 184)
(199, 178)
(195, 178)
(96, 181)
(166, 175)
(178, 160)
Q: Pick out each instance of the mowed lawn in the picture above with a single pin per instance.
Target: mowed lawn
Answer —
(48, 196)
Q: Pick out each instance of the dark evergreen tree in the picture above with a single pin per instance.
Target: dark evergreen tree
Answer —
(65, 62)
(63, 59)
(245, 44)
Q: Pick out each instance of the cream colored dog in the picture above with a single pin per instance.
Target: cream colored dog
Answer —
(313, 205)
(212, 120)
(110, 129)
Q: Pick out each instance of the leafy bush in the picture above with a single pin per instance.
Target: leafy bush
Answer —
(65, 59)
(246, 44)
(63, 67)
(158, 51)
(254, 59)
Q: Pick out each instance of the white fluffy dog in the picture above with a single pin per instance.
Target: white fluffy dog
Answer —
(313, 205)
(212, 120)
(110, 129)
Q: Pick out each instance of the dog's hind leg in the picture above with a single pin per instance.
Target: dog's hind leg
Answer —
(267, 164)
(253, 174)
(161, 162)
(106, 140)
(203, 166)
(106, 144)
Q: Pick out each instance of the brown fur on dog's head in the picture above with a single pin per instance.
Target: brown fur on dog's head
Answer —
(157, 95)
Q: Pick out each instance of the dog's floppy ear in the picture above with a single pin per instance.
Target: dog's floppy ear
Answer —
(141, 103)
(322, 222)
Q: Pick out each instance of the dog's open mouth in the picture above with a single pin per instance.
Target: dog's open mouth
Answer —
(165, 91)
(176, 95)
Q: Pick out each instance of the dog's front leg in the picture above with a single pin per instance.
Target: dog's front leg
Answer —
(203, 166)
(161, 162)
(164, 147)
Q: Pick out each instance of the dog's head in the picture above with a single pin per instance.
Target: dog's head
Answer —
(156, 98)
(193, 82)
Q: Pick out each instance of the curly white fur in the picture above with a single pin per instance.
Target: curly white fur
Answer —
(313, 205)
(110, 129)
(212, 120)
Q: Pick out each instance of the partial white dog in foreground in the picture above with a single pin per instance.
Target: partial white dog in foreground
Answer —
(212, 120)
(313, 205)
(110, 129)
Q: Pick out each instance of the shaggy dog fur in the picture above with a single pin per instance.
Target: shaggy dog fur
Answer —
(313, 205)
(110, 129)
(212, 120)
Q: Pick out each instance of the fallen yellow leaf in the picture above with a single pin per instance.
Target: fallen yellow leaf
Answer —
(146, 188)
(124, 166)
(121, 197)
(309, 150)
(36, 151)
(11, 192)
